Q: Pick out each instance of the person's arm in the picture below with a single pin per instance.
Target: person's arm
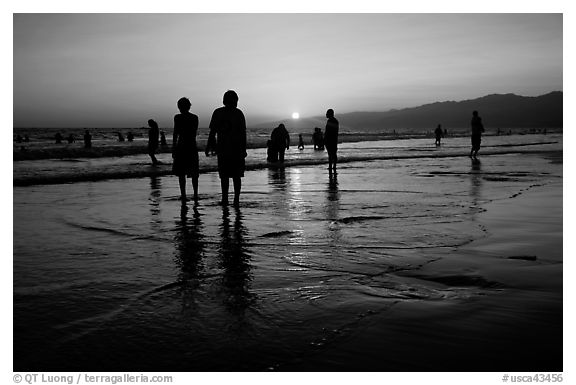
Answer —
(211, 143)
(287, 140)
(243, 136)
(174, 138)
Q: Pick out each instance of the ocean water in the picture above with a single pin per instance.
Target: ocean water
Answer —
(311, 272)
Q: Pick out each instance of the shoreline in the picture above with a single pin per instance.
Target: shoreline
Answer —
(140, 147)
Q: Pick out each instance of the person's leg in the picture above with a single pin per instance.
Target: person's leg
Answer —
(281, 155)
(195, 187)
(237, 188)
(224, 183)
(182, 182)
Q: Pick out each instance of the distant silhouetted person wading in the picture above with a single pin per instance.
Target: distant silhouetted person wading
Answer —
(228, 136)
(477, 130)
(280, 141)
(184, 151)
(331, 139)
(87, 139)
(300, 142)
(153, 135)
(439, 134)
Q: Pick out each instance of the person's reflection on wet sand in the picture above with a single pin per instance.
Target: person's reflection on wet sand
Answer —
(235, 261)
(155, 192)
(190, 245)
(277, 178)
(476, 184)
(333, 208)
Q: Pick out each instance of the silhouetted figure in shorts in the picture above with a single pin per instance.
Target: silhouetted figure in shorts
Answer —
(153, 133)
(280, 141)
(439, 134)
(331, 139)
(228, 136)
(477, 130)
(184, 150)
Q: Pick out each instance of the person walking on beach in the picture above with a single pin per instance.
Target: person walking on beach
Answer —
(280, 141)
(477, 130)
(153, 134)
(184, 150)
(87, 139)
(439, 134)
(228, 136)
(331, 139)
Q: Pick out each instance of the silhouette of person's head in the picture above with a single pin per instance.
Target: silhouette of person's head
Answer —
(184, 105)
(475, 113)
(330, 113)
(152, 123)
(230, 99)
(281, 126)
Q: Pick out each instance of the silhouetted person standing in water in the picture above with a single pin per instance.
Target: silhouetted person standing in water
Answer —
(87, 139)
(153, 134)
(184, 151)
(280, 141)
(228, 136)
(477, 130)
(439, 133)
(300, 142)
(331, 139)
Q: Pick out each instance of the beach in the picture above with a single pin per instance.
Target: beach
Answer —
(411, 258)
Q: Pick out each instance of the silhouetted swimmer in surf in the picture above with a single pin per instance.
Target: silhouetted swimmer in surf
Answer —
(228, 137)
(153, 133)
(184, 150)
(163, 142)
(87, 139)
(477, 130)
(71, 139)
(300, 142)
(58, 138)
(120, 137)
(439, 134)
(331, 139)
(130, 136)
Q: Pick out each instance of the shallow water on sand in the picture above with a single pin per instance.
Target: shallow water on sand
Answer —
(306, 274)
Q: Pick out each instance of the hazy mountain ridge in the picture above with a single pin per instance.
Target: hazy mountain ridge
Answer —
(497, 111)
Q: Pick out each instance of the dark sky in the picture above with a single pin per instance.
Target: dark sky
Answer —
(119, 70)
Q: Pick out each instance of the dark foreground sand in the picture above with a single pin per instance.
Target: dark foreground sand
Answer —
(421, 264)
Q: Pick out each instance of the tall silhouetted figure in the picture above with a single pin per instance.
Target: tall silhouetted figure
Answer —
(153, 134)
(184, 151)
(228, 136)
(87, 139)
(477, 130)
(280, 141)
(331, 139)
(439, 134)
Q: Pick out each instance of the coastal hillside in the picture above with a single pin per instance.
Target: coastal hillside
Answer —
(497, 111)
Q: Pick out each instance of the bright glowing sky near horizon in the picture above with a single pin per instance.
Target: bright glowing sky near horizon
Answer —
(119, 70)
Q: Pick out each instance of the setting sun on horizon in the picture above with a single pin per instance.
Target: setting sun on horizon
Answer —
(295, 115)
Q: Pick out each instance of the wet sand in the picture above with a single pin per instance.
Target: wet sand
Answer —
(425, 264)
